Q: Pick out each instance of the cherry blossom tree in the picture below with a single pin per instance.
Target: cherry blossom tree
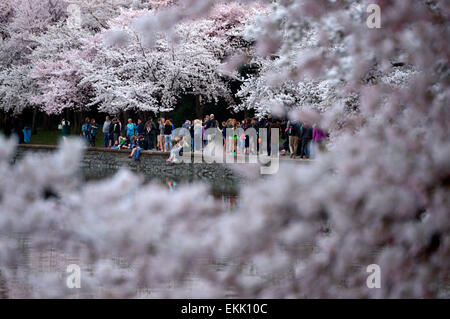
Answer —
(16, 88)
(134, 76)
(25, 20)
(6, 12)
(28, 18)
(266, 93)
(56, 71)
(38, 42)
(95, 14)
(187, 60)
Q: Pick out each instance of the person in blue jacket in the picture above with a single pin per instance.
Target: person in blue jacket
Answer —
(131, 129)
(86, 131)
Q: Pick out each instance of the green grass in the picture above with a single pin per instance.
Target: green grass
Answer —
(45, 137)
(52, 137)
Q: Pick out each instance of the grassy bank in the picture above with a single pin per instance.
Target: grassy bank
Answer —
(52, 137)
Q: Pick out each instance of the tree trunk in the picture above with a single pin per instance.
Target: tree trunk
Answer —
(199, 107)
(2, 119)
(147, 115)
(77, 119)
(69, 117)
(46, 122)
(34, 122)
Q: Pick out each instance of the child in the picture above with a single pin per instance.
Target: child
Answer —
(122, 142)
(137, 148)
(132, 142)
(116, 145)
(175, 152)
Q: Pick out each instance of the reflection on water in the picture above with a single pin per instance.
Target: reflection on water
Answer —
(172, 185)
(51, 260)
(218, 186)
(228, 199)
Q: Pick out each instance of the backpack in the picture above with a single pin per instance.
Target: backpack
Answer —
(85, 128)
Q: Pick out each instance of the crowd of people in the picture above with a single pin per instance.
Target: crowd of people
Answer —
(297, 137)
(300, 138)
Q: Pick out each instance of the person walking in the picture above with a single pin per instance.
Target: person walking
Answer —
(211, 122)
(319, 138)
(161, 134)
(149, 134)
(168, 136)
(197, 134)
(267, 124)
(140, 129)
(224, 135)
(293, 134)
(116, 129)
(64, 126)
(245, 126)
(94, 129)
(154, 132)
(205, 122)
(254, 124)
(86, 131)
(276, 126)
(111, 132)
(205, 126)
(105, 131)
(306, 138)
(18, 126)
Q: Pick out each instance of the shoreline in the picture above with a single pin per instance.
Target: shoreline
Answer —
(146, 153)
